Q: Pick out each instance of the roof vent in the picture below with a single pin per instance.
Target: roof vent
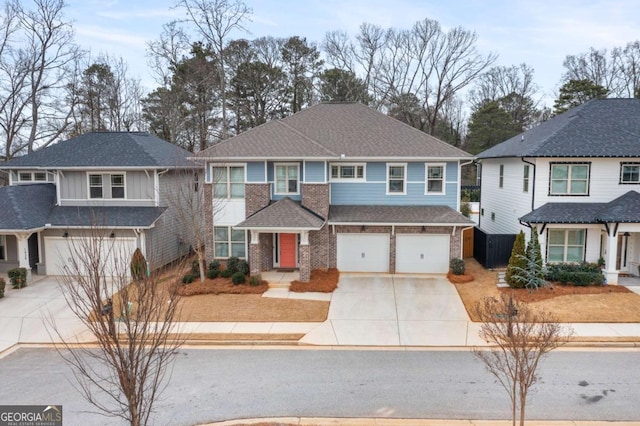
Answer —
(522, 138)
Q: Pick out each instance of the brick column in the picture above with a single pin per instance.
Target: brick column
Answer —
(305, 257)
(255, 259)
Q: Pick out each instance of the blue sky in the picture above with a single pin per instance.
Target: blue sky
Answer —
(540, 33)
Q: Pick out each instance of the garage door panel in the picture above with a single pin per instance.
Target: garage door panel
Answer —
(363, 252)
(425, 254)
(59, 252)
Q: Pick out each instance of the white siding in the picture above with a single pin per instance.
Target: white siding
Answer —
(508, 203)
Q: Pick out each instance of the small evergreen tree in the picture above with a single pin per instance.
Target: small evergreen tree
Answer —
(138, 266)
(534, 254)
(517, 262)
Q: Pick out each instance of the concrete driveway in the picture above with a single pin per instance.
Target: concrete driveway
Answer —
(390, 310)
(25, 313)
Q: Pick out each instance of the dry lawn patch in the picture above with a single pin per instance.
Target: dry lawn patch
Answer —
(323, 281)
(607, 303)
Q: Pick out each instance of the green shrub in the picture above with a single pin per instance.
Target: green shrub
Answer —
(195, 267)
(138, 265)
(188, 278)
(214, 266)
(226, 273)
(213, 273)
(3, 284)
(18, 277)
(232, 264)
(517, 263)
(243, 267)
(580, 274)
(255, 280)
(457, 266)
(465, 209)
(238, 278)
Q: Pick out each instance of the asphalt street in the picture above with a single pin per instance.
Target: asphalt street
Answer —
(219, 384)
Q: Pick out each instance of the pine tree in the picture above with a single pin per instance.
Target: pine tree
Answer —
(517, 263)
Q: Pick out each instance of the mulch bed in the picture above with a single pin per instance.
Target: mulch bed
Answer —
(322, 281)
(220, 286)
(459, 279)
(552, 290)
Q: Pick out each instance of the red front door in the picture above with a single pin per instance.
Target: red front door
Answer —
(288, 250)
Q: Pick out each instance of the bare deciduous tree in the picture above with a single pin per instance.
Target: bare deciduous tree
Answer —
(214, 20)
(134, 325)
(519, 338)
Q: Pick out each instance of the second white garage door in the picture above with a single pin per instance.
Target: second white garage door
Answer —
(424, 254)
(363, 252)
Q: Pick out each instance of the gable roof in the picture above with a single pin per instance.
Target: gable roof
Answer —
(597, 128)
(284, 213)
(334, 130)
(105, 150)
(624, 209)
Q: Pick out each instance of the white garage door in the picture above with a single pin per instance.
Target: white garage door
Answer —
(59, 251)
(424, 254)
(363, 252)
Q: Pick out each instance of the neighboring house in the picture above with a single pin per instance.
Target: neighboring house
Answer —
(335, 185)
(576, 178)
(115, 181)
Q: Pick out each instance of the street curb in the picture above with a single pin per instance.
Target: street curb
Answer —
(379, 421)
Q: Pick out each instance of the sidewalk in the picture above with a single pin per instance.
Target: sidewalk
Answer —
(323, 421)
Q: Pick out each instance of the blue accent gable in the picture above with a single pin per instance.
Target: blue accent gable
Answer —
(452, 171)
(346, 193)
(416, 172)
(255, 171)
(314, 172)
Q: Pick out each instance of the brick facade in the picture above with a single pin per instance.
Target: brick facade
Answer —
(256, 197)
(320, 248)
(315, 197)
(305, 263)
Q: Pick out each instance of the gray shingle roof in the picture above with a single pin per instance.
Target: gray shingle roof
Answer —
(111, 217)
(330, 130)
(624, 209)
(284, 213)
(105, 149)
(414, 215)
(598, 128)
(26, 207)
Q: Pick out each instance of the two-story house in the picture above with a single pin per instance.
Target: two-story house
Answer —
(576, 178)
(335, 185)
(117, 182)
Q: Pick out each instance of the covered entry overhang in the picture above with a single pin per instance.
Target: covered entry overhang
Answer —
(618, 222)
(289, 223)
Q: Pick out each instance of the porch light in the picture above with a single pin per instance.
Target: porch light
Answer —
(65, 235)
(112, 235)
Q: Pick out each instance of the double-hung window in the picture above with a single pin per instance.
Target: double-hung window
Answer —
(287, 178)
(569, 179)
(228, 181)
(565, 245)
(435, 179)
(630, 173)
(95, 186)
(117, 186)
(228, 242)
(349, 172)
(396, 178)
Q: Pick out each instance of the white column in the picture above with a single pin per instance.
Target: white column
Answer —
(23, 251)
(304, 238)
(255, 237)
(610, 272)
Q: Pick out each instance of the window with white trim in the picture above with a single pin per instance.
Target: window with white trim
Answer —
(32, 177)
(501, 176)
(565, 245)
(525, 178)
(569, 179)
(228, 181)
(287, 179)
(117, 186)
(95, 186)
(348, 172)
(435, 179)
(3, 248)
(396, 178)
(629, 173)
(229, 242)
